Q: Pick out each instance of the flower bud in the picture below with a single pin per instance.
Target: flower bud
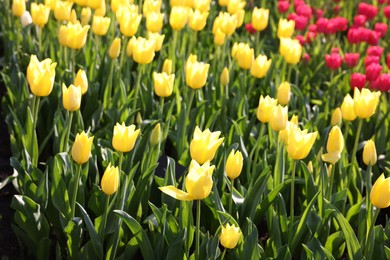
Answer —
(26, 18)
(100, 25)
(369, 153)
(86, 16)
(219, 38)
(40, 76)
(110, 180)
(347, 108)
(115, 48)
(81, 81)
(197, 20)
(154, 22)
(143, 50)
(155, 135)
(196, 74)
(40, 14)
(178, 17)
(225, 76)
(81, 149)
(278, 118)
(365, 102)
(260, 18)
(167, 66)
(380, 192)
(265, 107)
(260, 66)
(71, 97)
(18, 7)
(334, 145)
(336, 117)
(163, 84)
(230, 236)
(234, 164)
(285, 28)
(284, 93)
(62, 10)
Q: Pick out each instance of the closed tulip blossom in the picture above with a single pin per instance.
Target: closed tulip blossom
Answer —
(110, 180)
(230, 235)
(40, 76)
(365, 102)
(375, 51)
(243, 54)
(224, 78)
(373, 71)
(178, 17)
(81, 149)
(260, 18)
(124, 137)
(219, 38)
(86, 14)
(143, 50)
(18, 7)
(333, 61)
(348, 108)
(380, 192)
(284, 93)
(154, 22)
(336, 117)
(381, 28)
(278, 119)
(198, 183)
(351, 59)
(81, 81)
(228, 23)
(299, 143)
(369, 11)
(76, 35)
(163, 84)
(283, 6)
(128, 22)
(196, 74)
(291, 50)
(40, 14)
(155, 135)
(202, 5)
(260, 66)
(285, 28)
(71, 97)
(234, 164)
(357, 80)
(368, 60)
(62, 10)
(100, 25)
(204, 145)
(334, 146)
(265, 107)
(26, 19)
(369, 153)
(115, 48)
(167, 66)
(197, 20)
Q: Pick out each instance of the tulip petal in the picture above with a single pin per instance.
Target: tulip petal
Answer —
(176, 193)
(332, 157)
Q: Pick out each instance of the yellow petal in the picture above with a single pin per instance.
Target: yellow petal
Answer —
(176, 193)
(331, 157)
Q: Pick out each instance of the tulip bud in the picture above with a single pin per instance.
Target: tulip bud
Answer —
(81, 81)
(334, 145)
(230, 236)
(278, 118)
(310, 167)
(228, 23)
(225, 76)
(197, 20)
(155, 135)
(86, 16)
(40, 14)
(369, 153)
(285, 28)
(260, 66)
(124, 137)
(196, 74)
(291, 50)
(260, 18)
(63, 35)
(81, 149)
(100, 25)
(62, 10)
(163, 84)
(139, 118)
(219, 38)
(365, 102)
(26, 18)
(130, 46)
(284, 93)
(40, 76)
(234, 164)
(178, 17)
(102, 10)
(167, 66)
(154, 22)
(71, 97)
(76, 35)
(110, 180)
(380, 192)
(265, 107)
(336, 117)
(115, 48)
(202, 5)
(204, 145)
(128, 22)
(18, 7)
(347, 108)
(143, 50)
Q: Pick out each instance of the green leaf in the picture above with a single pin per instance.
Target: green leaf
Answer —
(335, 244)
(59, 193)
(73, 233)
(139, 233)
(175, 248)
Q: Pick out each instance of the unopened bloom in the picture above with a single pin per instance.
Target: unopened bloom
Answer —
(163, 84)
(351, 59)
(260, 18)
(167, 66)
(197, 20)
(278, 119)
(100, 25)
(333, 61)
(62, 10)
(40, 76)
(71, 97)
(265, 107)
(225, 76)
(155, 135)
(284, 92)
(81, 149)
(348, 109)
(110, 180)
(230, 236)
(154, 22)
(129, 22)
(380, 192)
(244, 55)
(234, 164)
(228, 23)
(365, 102)
(357, 80)
(196, 74)
(291, 50)
(178, 17)
(76, 35)
(85, 15)
(115, 48)
(334, 146)
(336, 117)
(18, 7)
(369, 153)
(204, 145)
(124, 137)
(81, 81)
(285, 28)
(26, 18)
(260, 66)
(40, 14)
(143, 50)
(219, 37)
(299, 143)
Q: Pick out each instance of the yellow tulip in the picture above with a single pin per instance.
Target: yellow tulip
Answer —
(365, 102)
(380, 193)
(198, 183)
(348, 108)
(204, 145)
(62, 10)
(73, 16)
(81, 2)
(369, 153)
(167, 66)
(163, 84)
(100, 25)
(225, 76)
(158, 40)
(219, 38)
(40, 76)
(110, 180)
(85, 16)
(155, 135)
(197, 20)
(283, 134)
(102, 10)
(51, 4)
(244, 55)
(40, 14)
(336, 117)
(240, 15)
(291, 50)
(230, 236)
(285, 28)
(310, 167)
(186, 3)
(18, 7)
(178, 17)
(129, 22)
(260, 66)
(71, 97)
(235, 5)
(115, 4)
(191, 59)
(223, 2)
(95, 4)
(284, 91)
(260, 18)
(115, 48)
(299, 143)
(81, 81)
(265, 107)
(196, 74)
(130, 46)
(234, 164)
(202, 5)
(151, 6)
(124, 137)
(76, 35)
(143, 50)
(154, 22)
(334, 146)
(63, 35)
(228, 23)
(81, 149)
(217, 24)
(278, 118)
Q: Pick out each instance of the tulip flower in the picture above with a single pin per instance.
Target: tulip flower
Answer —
(81, 149)
(40, 76)
(167, 66)
(348, 108)
(230, 236)
(124, 137)
(115, 4)
(198, 183)
(243, 54)
(155, 135)
(278, 118)
(219, 38)
(196, 74)
(223, 2)
(291, 50)
(299, 143)
(234, 164)
(63, 35)
(85, 15)
(26, 19)
(40, 14)
(128, 22)
(283, 6)
(79, 2)
(81, 81)
(158, 40)
(369, 153)
(265, 107)
(143, 50)
(283, 134)
(71, 97)
(336, 117)
(154, 22)
(76, 35)
(130, 46)
(204, 145)
(100, 25)
(357, 80)
(365, 102)
(285, 28)
(110, 180)
(62, 10)
(197, 20)
(260, 66)
(334, 146)
(380, 192)
(228, 23)
(373, 71)
(284, 92)
(260, 18)
(202, 5)
(18, 7)
(235, 5)
(163, 84)
(224, 76)
(333, 61)
(95, 4)
(115, 48)
(178, 17)
(151, 6)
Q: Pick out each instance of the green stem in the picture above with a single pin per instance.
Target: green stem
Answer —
(198, 204)
(231, 197)
(371, 235)
(369, 222)
(75, 190)
(223, 254)
(182, 130)
(161, 109)
(70, 118)
(137, 86)
(172, 50)
(257, 41)
(346, 131)
(108, 90)
(103, 226)
(354, 150)
(36, 103)
(74, 64)
(331, 182)
(292, 194)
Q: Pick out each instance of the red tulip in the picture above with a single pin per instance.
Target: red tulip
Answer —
(357, 80)
(374, 51)
(382, 83)
(381, 28)
(333, 61)
(373, 71)
(351, 59)
(283, 6)
(249, 28)
(370, 60)
(359, 20)
(386, 11)
(304, 10)
(367, 10)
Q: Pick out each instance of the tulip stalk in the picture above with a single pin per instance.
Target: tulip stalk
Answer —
(69, 124)
(329, 193)
(198, 204)
(108, 90)
(104, 221)
(75, 189)
(35, 110)
(231, 197)
(138, 85)
(292, 194)
(370, 238)
(358, 131)
(370, 223)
